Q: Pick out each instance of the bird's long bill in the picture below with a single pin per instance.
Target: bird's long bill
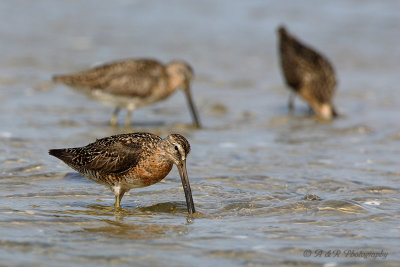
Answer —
(186, 187)
(192, 107)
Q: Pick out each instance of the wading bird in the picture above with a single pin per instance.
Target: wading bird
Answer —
(130, 84)
(127, 161)
(308, 74)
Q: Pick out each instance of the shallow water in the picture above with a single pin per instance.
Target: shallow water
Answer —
(254, 168)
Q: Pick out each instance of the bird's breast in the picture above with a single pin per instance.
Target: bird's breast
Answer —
(150, 170)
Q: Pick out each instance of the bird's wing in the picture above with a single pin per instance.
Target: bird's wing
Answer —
(304, 66)
(317, 72)
(291, 61)
(115, 154)
(135, 84)
(124, 78)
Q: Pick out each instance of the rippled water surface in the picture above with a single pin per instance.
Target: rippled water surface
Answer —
(270, 187)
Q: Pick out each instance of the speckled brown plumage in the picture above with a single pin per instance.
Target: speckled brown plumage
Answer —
(130, 84)
(127, 161)
(308, 74)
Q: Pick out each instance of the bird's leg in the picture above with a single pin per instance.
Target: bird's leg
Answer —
(118, 198)
(113, 120)
(310, 110)
(128, 117)
(117, 201)
(291, 101)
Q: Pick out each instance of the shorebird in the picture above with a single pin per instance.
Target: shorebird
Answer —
(129, 84)
(308, 74)
(132, 160)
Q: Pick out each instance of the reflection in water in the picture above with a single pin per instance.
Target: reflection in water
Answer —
(113, 224)
(136, 231)
(167, 207)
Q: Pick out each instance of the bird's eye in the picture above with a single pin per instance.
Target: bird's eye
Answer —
(176, 148)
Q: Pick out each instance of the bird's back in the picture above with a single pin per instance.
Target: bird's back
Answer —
(303, 66)
(129, 78)
(111, 155)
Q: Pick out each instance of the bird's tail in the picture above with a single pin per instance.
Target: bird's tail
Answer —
(58, 153)
(60, 78)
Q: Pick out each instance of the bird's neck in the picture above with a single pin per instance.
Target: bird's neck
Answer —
(174, 83)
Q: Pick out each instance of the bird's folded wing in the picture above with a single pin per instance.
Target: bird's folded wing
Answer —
(131, 78)
(104, 157)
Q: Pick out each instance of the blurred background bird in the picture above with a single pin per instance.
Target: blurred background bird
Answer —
(308, 74)
(132, 83)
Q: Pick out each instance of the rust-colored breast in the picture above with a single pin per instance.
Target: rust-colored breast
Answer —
(149, 171)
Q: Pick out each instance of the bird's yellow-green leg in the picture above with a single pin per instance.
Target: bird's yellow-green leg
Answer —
(291, 101)
(128, 118)
(118, 199)
(113, 120)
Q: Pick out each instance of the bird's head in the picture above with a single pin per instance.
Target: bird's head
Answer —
(176, 148)
(180, 76)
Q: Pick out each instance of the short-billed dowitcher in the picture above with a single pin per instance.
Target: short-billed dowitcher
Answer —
(307, 73)
(130, 84)
(127, 161)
